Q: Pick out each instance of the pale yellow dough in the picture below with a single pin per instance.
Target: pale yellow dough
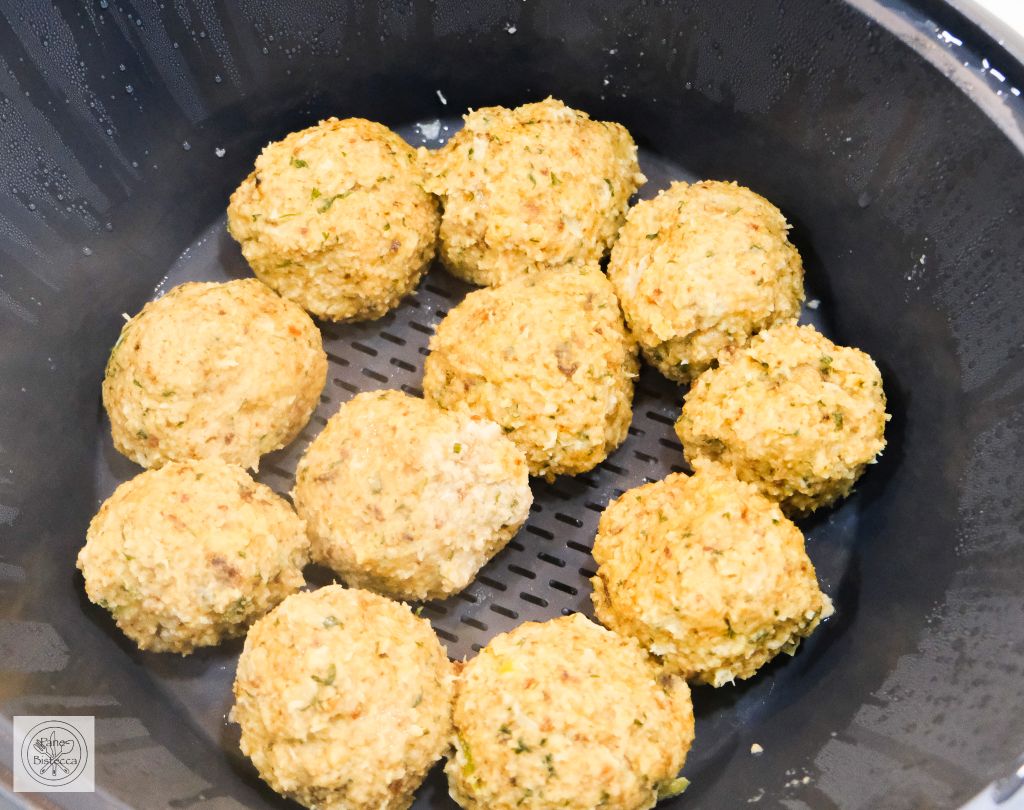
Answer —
(539, 186)
(191, 554)
(548, 358)
(567, 714)
(793, 413)
(707, 574)
(701, 268)
(407, 499)
(335, 218)
(344, 700)
(227, 371)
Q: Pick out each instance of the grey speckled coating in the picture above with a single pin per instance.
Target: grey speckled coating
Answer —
(123, 128)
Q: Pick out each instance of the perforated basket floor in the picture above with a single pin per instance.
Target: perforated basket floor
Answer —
(542, 573)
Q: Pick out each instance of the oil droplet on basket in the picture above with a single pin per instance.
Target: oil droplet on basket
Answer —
(864, 200)
(186, 146)
(87, 251)
(220, 151)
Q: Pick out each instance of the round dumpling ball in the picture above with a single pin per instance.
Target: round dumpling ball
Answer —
(793, 413)
(191, 554)
(344, 700)
(227, 371)
(539, 186)
(406, 499)
(701, 268)
(567, 714)
(707, 574)
(548, 358)
(335, 218)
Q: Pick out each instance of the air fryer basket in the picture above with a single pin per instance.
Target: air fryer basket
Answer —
(126, 126)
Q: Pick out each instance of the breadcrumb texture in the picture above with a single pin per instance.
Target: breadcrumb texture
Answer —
(548, 358)
(407, 499)
(567, 714)
(344, 700)
(701, 268)
(535, 187)
(191, 554)
(335, 218)
(793, 413)
(227, 371)
(707, 574)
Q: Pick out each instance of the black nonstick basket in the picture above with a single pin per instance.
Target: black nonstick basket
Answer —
(889, 133)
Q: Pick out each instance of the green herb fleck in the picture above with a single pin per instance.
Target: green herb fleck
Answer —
(332, 621)
(532, 178)
(837, 417)
(325, 206)
(554, 179)
(328, 677)
(457, 448)
(237, 608)
(298, 164)
(504, 729)
(549, 763)
(728, 628)
(653, 235)
(469, 767)
(673, 788)
(521, 747)
(314, 194)
(825, 364)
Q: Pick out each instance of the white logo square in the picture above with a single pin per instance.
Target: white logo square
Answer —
(54, 754)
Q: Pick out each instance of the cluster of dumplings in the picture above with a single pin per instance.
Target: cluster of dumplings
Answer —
(344, 695)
